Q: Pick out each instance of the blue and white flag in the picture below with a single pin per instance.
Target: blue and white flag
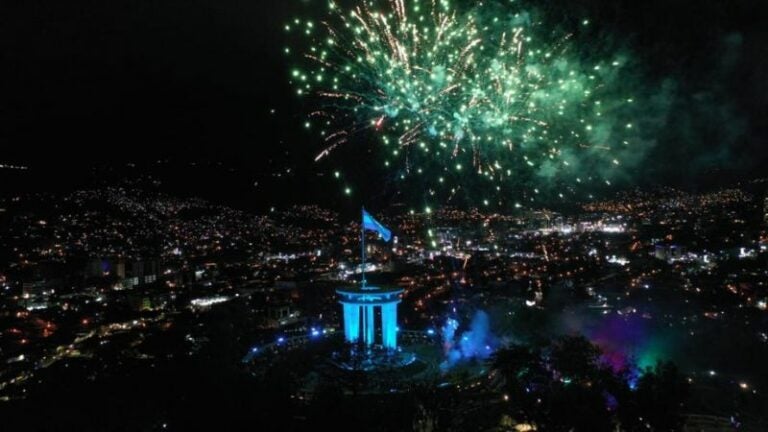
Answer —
(371, 224)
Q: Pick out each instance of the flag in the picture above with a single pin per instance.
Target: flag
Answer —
(371, 224)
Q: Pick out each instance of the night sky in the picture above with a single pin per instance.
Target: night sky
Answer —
(93, 83)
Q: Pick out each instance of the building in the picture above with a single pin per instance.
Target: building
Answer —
(765, 210)
(36, 294)
(363, 308)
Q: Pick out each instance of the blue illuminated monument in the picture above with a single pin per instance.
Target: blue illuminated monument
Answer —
(362, 303)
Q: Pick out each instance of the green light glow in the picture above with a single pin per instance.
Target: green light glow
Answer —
(445, 88)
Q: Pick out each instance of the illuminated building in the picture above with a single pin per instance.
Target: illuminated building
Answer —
(360, 303)
(360, 315)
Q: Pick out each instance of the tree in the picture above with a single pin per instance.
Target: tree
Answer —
(579, 408)
(660, 395)
(575, 358)
(525, 381)
(565, 387)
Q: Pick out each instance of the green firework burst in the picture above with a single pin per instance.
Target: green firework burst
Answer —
(484, 98)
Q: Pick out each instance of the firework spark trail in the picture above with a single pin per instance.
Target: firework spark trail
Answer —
(445, 87)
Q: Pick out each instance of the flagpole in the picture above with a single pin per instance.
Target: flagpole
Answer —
(362, 247)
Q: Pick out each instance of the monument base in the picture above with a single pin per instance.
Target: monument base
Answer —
(372, 358)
